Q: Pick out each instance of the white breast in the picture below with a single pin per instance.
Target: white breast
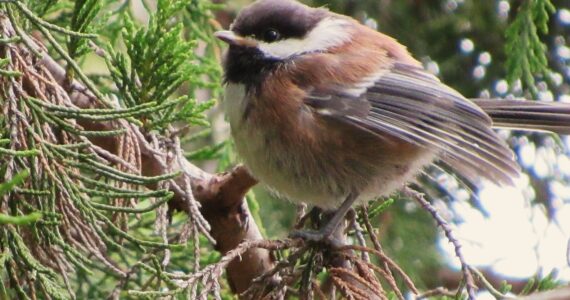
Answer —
(235, 103)
(264, 154)
(248, 139)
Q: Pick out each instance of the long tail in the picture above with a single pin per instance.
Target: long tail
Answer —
(528, 115)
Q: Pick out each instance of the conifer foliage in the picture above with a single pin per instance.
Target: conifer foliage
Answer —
(79, 216)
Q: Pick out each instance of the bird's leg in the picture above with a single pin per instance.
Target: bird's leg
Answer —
(325, 233)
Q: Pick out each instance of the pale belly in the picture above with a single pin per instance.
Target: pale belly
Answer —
(317, 174)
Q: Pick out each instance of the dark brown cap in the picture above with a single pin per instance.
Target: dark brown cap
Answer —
(290, 18)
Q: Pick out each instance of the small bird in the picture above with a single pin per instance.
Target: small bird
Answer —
(329, 112)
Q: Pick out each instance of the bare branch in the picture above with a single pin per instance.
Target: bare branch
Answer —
(471, 286)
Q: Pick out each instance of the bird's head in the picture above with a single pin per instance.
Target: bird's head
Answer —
(268, 33)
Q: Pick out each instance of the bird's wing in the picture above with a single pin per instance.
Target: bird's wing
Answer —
(413, 105)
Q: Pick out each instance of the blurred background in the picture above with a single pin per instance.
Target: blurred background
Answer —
(511, 233)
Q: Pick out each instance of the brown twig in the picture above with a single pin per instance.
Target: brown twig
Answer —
(237, 254)
(388, 277)
(318, 291)
(407, 280)
(374, 237)
(354, 286)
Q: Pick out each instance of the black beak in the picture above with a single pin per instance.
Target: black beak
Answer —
(233, 39)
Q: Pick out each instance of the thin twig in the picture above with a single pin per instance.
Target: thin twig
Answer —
(290, 262)
(440, 291)
(490, 288)
(217, 268)
(388, 277)
(407, 280)
(374, 238)
(471, 287)
(359, 235)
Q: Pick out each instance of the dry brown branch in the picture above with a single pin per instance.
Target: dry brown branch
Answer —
(366, 269)
(354, 286)
(408, 281)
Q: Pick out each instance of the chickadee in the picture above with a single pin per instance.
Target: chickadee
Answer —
(329, 112)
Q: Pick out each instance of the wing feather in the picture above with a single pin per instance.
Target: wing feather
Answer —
(413, 105)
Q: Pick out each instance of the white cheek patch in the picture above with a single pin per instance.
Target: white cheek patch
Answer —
(328, 33)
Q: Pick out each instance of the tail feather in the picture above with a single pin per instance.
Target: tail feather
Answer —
(527, 115)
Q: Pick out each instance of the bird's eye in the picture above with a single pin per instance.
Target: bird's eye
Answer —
(271, 35)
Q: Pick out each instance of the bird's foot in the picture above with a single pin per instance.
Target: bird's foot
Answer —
(330, 234)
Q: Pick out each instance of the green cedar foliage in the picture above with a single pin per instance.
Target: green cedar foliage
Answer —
(77, 222)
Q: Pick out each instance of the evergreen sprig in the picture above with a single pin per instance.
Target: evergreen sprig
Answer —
(158, 61)
(84, 13)
(527, 54)
(19, 219)
(84, 216)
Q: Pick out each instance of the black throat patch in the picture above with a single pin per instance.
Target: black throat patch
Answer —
(248, 66)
